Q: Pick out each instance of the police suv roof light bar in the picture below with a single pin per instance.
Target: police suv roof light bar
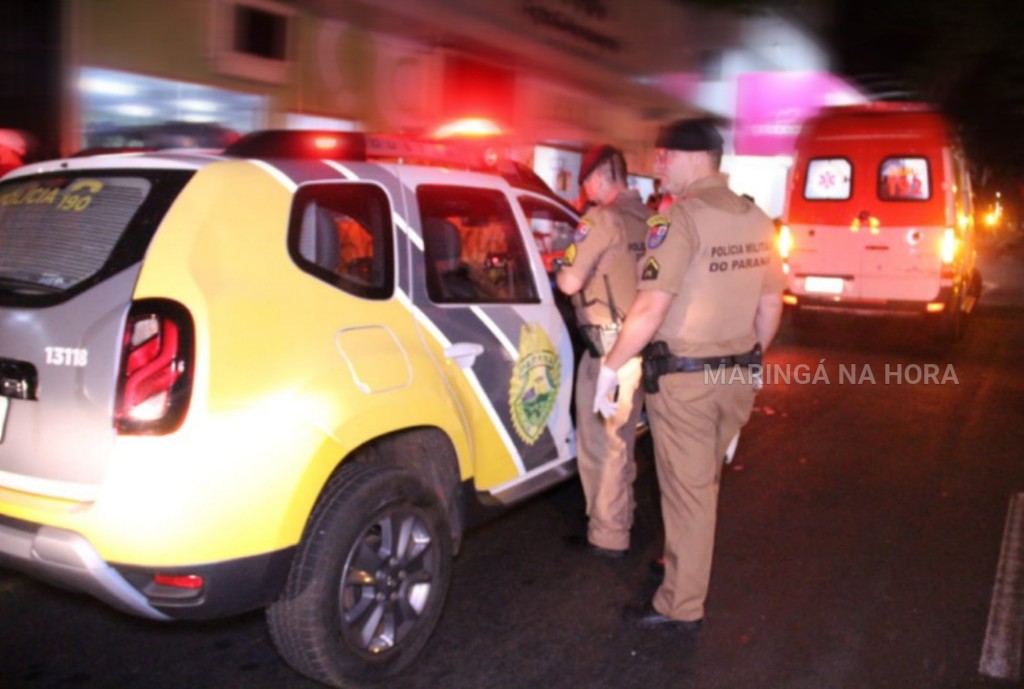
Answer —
(295, 143)
(323, 144)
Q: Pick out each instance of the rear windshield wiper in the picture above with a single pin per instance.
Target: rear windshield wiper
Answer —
(21, 286)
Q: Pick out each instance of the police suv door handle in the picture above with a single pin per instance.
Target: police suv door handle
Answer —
(464, 353)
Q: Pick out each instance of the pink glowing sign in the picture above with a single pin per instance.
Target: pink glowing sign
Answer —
(771, 107)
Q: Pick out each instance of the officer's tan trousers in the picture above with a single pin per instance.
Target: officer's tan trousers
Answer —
(693, 418)
(605, 453)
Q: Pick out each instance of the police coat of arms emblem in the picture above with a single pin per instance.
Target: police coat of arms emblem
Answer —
(533, 389)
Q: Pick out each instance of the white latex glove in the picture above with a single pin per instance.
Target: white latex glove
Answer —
(604, 396)
(731, 450)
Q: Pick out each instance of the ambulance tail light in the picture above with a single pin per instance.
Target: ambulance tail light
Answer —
(785, 242)
(949, 247)
(790, 299)
(154, 380)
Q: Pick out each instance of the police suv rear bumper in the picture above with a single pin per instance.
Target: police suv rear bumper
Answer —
(67, 559)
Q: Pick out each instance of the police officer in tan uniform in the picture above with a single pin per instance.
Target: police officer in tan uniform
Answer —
(708, 304)
(599, 273)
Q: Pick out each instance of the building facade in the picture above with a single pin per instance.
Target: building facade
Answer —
(555, 75)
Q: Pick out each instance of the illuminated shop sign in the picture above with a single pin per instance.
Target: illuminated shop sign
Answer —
(772, 106)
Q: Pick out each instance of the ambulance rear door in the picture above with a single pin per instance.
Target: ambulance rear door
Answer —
(902, 221)
(827, 248)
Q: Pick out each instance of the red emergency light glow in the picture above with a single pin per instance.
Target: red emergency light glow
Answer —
(468, 126)
(298, 143)
(325, 143)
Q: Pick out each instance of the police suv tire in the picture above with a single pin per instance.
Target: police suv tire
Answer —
(369, 578)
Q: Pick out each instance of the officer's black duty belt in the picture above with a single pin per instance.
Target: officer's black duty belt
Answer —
(690, 364)
(659, 361)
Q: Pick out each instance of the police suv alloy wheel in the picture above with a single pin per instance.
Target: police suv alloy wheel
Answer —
(369, 578)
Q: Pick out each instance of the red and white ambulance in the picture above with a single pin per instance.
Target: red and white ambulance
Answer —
(879, 217)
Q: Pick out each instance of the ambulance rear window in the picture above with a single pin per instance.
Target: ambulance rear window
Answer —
(904, 179)
(828, 179)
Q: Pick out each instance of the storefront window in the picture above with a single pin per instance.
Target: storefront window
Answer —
(559, 168)
(122, 109)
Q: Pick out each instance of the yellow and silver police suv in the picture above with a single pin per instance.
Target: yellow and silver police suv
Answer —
(285, 375)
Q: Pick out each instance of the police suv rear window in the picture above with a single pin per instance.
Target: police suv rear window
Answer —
(828, 179)
(59, 233)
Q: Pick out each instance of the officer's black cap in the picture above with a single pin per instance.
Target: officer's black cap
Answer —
(699, 134)
(594, 157)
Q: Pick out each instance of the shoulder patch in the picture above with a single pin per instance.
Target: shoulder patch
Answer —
(657, 230)
(651, 270)
(582, 230)
(569, 257)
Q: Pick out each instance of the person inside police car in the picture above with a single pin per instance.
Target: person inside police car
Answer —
(598, 272)
(702, 315)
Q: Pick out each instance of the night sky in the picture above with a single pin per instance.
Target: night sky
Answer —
(965, 55)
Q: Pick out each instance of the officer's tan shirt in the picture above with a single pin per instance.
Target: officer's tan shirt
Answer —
(608, 242)
(715, 251)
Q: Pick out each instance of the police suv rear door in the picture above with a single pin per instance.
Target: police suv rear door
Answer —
(480, 284)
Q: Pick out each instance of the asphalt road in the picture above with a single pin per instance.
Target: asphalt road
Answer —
(860, 529)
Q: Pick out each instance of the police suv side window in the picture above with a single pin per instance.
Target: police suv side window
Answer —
(473, 249)
(342, 233)
(552, 228)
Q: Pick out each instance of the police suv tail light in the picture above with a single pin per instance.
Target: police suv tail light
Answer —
(154, 381)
